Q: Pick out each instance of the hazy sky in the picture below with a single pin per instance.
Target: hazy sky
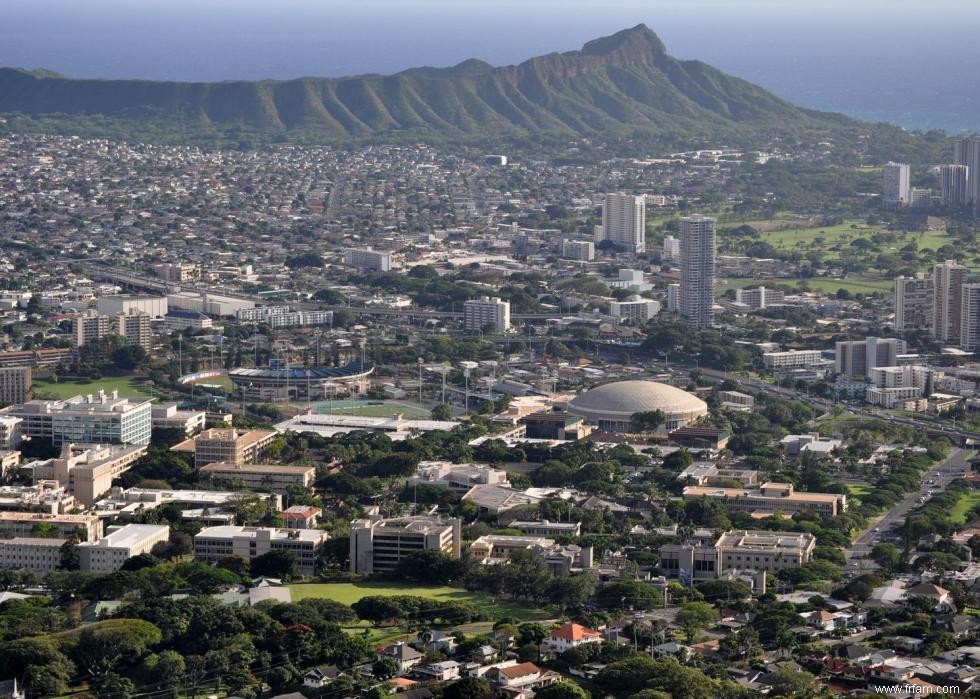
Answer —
(907, 61)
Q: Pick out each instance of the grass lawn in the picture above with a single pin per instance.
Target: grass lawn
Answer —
(127, 386)
(856, 491)
(348, 593)
(856, 285)
(966, 503)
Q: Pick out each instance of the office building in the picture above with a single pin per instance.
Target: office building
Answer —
(486, 313)
(31, 524)
(134, 326)
(673, 298)
(966, 152)
(896, 397)
(169, 416)
(90, 419)
(545, 527)
(955, 181)
(555, 424)
(636, 309)
(15, 384)
(672, 249)
(38, 358)
(378, 545)
(895, 184)
(108, 554)
(769, 498)
(124, 304)
(264, 477)
(947, 300)
(179, 320)
(624, 221)
(859, 357)
(458, 478)
(215, 543)
(736, 400)
(495, 549)
(913, 304)
(581, 250)
(87, 471)
(697, 292)
(707, 559)
(970, 317)
(369, 260)
(760, 297)
(36, 554)
(231, 445)
(901, 376)
(39, 496)
(283, 316)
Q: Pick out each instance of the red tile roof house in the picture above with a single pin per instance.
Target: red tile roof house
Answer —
(514, 679)
(572, 636)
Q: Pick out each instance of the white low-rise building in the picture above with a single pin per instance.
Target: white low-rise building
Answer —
(38, 555)
(214, 543)
(108, 554)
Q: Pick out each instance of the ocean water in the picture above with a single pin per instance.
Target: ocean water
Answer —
(910, 63)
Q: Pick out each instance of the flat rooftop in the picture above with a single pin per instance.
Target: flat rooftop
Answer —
(711, 491)
(128, 536)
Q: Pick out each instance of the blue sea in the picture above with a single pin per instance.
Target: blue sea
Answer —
(907, 62)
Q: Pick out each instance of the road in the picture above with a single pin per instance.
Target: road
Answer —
(953, 466)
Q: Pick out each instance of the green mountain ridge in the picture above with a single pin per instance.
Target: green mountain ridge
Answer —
(620, 84)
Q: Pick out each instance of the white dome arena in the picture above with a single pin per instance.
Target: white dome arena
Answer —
(610, 407)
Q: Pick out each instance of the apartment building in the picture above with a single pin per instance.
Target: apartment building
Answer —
(769, 498)
(792, 359)
(378, 545)
(177, 273)
(227, 446)
(263, 477)
(581, 250)
(913, 304)
(38, 358)
(759, 297)
(861, 357)
(214, 543)
(169, 416)
(486, 312)
(636, 309)
(27, 524)
(947, 300)
(36, 554)
(91, 419)
(369, 260)
(108, 554)
(90, 326)
(15, 384)
(768, 551)
(624, 221)
(87, 471)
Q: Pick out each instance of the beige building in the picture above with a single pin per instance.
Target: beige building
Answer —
(10, 428)
(736, 550)
(28, 524)
(232, 446)
(270, 477)
(38, 555)
(133, 325)
(769, 498)
(87, 470)
(15, 384)
(108, 554)
(378, 544)
(792, 359)
(214, 543)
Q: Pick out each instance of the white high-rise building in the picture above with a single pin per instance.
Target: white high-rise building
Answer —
(966, 152)
(672, 249)
(624, 221)
(486, 311)
(895, 184)
(947, 299)
(581, 250)
(697, 292)
(970, 317)
(955, 184)
(913, 304)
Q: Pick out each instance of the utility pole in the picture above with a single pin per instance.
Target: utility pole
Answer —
(421, 362)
